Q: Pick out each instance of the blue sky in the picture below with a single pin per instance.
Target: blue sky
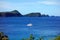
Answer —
(50, 7)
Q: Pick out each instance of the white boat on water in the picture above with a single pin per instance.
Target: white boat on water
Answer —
(30, 24)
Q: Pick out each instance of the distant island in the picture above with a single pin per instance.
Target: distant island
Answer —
(15, 13)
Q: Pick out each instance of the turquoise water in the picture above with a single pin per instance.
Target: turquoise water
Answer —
(16, 27)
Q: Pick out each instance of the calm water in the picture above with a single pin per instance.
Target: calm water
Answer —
(16, 27)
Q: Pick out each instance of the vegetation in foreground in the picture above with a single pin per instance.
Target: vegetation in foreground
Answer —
(5, 37)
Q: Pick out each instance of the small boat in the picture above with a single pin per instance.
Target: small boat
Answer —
(30, 24)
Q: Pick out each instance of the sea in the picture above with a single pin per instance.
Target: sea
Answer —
(17, 28)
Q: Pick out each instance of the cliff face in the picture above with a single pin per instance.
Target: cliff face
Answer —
(14, 13)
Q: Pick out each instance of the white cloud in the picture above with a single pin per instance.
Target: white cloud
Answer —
(49, 2)
(4, 4)
(17, 5)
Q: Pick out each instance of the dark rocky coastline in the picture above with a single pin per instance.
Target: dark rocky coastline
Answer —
(15, 13)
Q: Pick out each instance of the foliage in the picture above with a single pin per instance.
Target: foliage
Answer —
(31, 37)
(40, 38)
(57, 38)
(3, 37)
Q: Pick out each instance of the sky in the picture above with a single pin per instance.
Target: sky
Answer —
(50, 7)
